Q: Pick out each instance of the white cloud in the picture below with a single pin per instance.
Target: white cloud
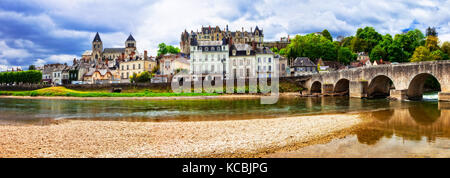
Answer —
(154, 22)
(8, 52)
(60, 58)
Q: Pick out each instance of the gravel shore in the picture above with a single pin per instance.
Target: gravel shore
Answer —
(236, 138)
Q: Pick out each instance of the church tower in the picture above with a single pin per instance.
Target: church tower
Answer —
(97, 47)
(130, 46)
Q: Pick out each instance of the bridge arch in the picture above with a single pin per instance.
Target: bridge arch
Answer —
(342, 86)
(416, 85)
(380, 87)
(316, 87)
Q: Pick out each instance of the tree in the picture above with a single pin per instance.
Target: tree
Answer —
(431, 32)
(346, 42)
(378, 53)
(438, 55)
(359, 45)
(432, 43)
(327, 35)
(446, 48)
(165, 49)
(345, 55)
(370, 36)
(421, 54)
(32, 67)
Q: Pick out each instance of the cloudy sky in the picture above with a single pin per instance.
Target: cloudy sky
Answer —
(50, 31)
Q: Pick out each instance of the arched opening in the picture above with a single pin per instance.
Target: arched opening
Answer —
(422, 83)
(380, 87)
(316, 87)
(342, 87)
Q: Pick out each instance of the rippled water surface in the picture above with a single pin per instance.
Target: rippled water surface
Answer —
(394, 129)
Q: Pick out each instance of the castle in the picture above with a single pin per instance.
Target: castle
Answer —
(252, 37)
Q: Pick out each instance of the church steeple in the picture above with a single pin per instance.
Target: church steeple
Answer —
(130, 38)
(97, 38)
(97, 47)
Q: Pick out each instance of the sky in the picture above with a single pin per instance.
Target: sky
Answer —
(38, 32)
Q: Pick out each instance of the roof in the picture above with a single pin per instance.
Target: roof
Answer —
(130, 38)
(87, 53)
(114, 50)
(264, 50)
(97, 38)
(241, 50)
(303, 62)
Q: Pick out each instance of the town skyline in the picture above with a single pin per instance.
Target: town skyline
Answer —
(60, 31)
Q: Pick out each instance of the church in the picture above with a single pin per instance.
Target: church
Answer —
(100, 54)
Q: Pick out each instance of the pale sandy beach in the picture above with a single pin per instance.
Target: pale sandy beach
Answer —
(235, 138)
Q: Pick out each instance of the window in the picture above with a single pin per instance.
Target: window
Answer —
(259, 60)
(270, 68)
(270, 60)
(212, 68)
(134, 66)
(206, 58)
(139, 66)
(128, 68)
(259, 68)
(241, 62)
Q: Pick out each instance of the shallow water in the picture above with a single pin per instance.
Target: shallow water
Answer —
(394, 129)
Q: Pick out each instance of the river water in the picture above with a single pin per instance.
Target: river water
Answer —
(393, 129)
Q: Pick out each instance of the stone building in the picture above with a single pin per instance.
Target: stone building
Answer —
(209, 58)
(216, 34)
(100, 54)
(303, 66)
(136, 65)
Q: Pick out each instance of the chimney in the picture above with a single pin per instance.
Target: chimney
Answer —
(242, 29)
(145, 55)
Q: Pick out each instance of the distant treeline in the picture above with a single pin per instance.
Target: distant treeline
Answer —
(30, 76)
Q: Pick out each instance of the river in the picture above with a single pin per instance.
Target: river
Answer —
(392, 129)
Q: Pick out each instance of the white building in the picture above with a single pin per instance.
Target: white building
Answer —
(209, 58)
(252, 62)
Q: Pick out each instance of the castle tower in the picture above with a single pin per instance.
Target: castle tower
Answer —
(97, 47)
(130, 46)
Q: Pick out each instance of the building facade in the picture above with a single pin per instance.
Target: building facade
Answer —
(210, 58)
(216, 34)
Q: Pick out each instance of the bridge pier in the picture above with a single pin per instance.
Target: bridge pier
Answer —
(327, 88)
(358, 89)
(399, 94)
(444, 96)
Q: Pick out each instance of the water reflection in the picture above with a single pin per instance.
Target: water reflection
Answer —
(33, 111)
(420, 119)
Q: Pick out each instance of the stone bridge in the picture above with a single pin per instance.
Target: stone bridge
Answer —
(401, 81)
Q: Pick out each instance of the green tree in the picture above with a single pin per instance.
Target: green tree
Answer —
(421, 54)
(166, 49)
(359, 45)
(32, 67)
(327, 35)
(370, 36)
(446, 48)
(438, 55)
(345, 55)
(378, 53)
(432, 43)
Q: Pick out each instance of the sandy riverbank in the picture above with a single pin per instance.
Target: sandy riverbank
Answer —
(225, 96)
(238, 138)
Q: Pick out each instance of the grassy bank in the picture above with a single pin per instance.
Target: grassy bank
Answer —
(62, 91)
